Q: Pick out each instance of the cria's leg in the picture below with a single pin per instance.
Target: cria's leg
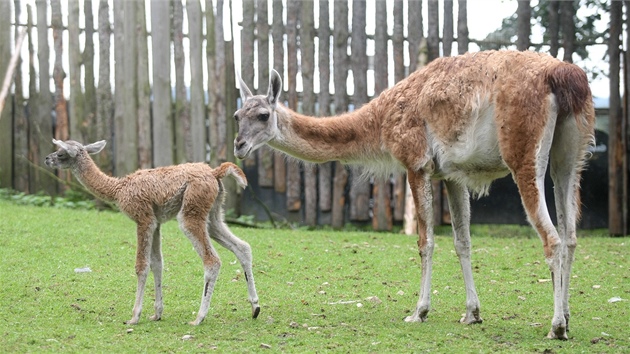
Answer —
(459, 204)
(156, 268)
(241, 249)
(194, 227)
(420, 183)
(145, 230)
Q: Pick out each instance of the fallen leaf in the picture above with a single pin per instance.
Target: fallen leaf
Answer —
(596, 286)
(615, 299)
(544, 280)
(265, 346)
(187, 337)
(374, 299)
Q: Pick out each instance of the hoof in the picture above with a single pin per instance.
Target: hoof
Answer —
(255, 311)
(131, 322)
(415, 318)
(471, 318)
(558, 333)
(155, 318)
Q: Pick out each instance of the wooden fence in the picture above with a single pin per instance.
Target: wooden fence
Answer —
(151, 115)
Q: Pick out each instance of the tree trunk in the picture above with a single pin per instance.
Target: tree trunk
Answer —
(277, 32)
(567, 25)
(183, 144)
(265, 153)
(462, 27)
(325, 169)
(41, 132)
(433, 36)
(162, 121)
(20, 123)
(89, 110)
(104, 103)
(145, 143)
(6, 115)
(197, 101)
(523, 26)
(617, 173)
(359, 188)
(447, 37)
(382, 219)
(307, 51)
(553, 8)
(78, 126)
(340, 72)
(294, 202)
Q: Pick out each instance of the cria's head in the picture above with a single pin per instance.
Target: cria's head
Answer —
(69, 151)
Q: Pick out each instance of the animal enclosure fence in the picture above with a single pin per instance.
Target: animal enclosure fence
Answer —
(156, 80)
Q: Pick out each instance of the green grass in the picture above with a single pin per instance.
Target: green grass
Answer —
(303, 278)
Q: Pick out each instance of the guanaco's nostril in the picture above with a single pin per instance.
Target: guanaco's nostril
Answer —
(239, 142)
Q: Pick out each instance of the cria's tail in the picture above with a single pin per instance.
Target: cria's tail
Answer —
(230, 169)
(573, 94)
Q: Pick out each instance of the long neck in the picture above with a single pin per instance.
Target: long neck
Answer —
(350, 137)
(97, 182)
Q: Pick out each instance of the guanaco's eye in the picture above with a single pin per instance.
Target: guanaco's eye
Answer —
(263, 117)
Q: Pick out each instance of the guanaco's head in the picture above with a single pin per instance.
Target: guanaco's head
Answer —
(257, 119)
(70, 151)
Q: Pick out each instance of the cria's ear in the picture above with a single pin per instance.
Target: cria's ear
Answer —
(275, 87)
(245, 92)
(96, 147)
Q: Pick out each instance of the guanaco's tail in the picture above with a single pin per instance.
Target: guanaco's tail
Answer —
(573, 93)
(230, 169)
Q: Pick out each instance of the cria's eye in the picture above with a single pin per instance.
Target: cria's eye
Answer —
(263, 117)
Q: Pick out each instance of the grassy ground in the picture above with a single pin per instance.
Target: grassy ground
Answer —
(310, 285)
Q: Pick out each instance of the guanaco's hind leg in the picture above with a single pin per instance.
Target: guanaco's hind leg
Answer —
(459, 204)
(156, 267)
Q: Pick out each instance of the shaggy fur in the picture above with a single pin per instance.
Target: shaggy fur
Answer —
(468, 120)
(192, 192)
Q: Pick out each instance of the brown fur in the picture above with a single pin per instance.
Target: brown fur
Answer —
(468, 120)
(192, 192)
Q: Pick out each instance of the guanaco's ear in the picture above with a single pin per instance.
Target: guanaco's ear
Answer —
(275, 87)
(69, 149)
(245, 92)
(96, 147)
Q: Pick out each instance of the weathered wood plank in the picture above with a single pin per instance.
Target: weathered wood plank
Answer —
(183, 145)
(88, 69)
(6, 115)
(340, 73)
(294, 200)
(399, 74)
(359, 188)
(104, 96)
(307, 51)
(20, 122)
(197, 101)
(265, 153)
(145, 141)
(277, 33)
(162, 121)
(325, 169)
(382, 210)
(78, 127)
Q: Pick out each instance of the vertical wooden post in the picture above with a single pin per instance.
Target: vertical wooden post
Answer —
(447, 30)
(41, 132)
(197, 101)
(325, 169)
(78, 126)
(20, 123)
(162, 133)
(359, 188)
(145, 141)
(399, 74)
(89, 111)
(382, 219)
(277, 32)
(294, 201)
(307, 51)
(104, 96)
(183, 144)
(265, 153)
(462, 27)
(6, 114)
(340, 67)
